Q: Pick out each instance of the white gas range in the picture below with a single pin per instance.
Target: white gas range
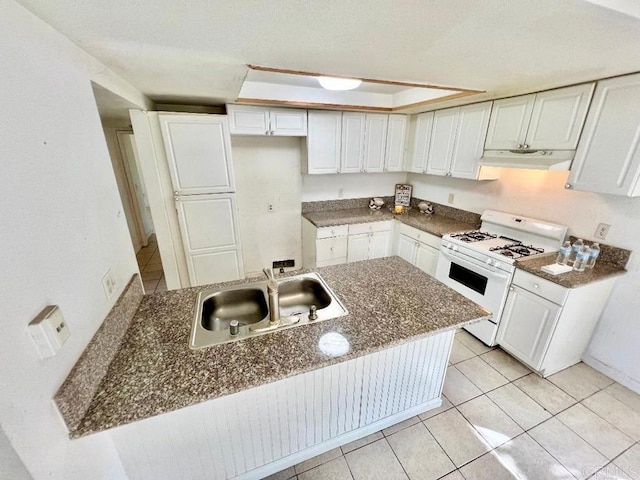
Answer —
(480, 264)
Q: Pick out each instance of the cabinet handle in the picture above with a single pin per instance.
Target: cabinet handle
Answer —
(333, 232)
(519, 146)
(525, 146)
(364, 170)
(511, 289)
(567, 185)
(535, 285)
(266, 132)
(331, 249)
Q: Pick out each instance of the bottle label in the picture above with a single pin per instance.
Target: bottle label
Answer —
(595, 253)
(583, 255)
(575, 248)
(565, 250)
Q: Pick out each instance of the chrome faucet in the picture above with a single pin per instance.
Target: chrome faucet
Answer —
(272, 290)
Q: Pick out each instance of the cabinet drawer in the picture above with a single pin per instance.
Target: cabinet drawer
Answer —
(337, 231)
(540, 286)
(331, 248)
(370, 227)
(424, 237)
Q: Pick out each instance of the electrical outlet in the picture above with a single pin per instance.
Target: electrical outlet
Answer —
(602, 230)
(452, 197)
(109, 283)
(270, 207)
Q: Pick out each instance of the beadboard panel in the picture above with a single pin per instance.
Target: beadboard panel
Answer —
(262, 430)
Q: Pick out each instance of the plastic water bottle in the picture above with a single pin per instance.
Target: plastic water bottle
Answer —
(593, 255)
(575, 249)
(563, 253)
(581, 259)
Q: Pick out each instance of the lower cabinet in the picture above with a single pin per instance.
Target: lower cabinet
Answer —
(418, 248)
(369, 245)
(547, 326)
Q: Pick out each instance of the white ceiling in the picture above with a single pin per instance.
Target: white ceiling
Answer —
(196, 51)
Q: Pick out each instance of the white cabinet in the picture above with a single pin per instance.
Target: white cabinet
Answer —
(209, 228)
(550, 120)
(608, 156)
(369, 240)
(421, 142)
(352, 154)
(323, 246)
(323, 142)
(198, 151)
(375, 140)
(354, 142)
(396, 143)
(251, 120)
(548, 326)
(418, 248)
(457, 138)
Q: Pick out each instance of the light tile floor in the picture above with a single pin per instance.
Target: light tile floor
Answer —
(151, 267)
(499, 421)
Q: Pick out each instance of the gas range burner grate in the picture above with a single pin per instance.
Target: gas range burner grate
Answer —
(473, 236)
(517, 250)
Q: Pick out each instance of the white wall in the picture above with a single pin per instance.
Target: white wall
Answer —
(267, 170)
(542, 194)
(62, 228)
(352, 185)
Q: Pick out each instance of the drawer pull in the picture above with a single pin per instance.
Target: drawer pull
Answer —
(331, 249)
(535, 285)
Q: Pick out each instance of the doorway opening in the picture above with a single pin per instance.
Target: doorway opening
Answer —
(116, 124)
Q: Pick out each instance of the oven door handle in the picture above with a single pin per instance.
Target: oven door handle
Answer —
(486, 270)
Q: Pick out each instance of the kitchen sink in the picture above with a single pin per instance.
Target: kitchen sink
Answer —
(217, 308)
(246, 305)
(297, 296)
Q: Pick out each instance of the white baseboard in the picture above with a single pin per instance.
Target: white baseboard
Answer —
(612, 373)
(343, 439)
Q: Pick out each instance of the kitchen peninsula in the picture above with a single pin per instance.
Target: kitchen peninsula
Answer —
(259, 405)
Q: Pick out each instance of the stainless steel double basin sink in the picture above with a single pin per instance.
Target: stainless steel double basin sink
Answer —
(218, 309)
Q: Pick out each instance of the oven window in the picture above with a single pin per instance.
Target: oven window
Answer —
(468, 278)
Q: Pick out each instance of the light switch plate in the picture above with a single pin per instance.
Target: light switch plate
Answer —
(49, 331)
(109, 283)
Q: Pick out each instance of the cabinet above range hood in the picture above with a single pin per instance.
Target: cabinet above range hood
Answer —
(537, 131)
(531, 159)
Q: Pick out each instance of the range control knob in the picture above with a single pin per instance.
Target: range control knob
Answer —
(455, 248)
(488, 261)
(497, 264)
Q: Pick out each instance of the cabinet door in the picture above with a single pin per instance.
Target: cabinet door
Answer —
(375, 140)
(288, 122)
(526, 326)
(472, 130)
(353, 126)
(608, 155)
(407, 248)
(198, 151)
(358, 247)
(323, 142)
(248, 120)
(443, 135)
(421, 142)
(558, 117)
(209, 228)
(380, 245)
(427, 258)
(396, 142)
(509, 123)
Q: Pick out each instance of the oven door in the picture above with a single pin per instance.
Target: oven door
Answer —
(484, 285)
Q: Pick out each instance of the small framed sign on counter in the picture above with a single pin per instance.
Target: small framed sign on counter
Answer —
(403, 194)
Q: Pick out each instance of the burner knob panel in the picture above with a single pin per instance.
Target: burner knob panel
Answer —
(497, 264)
(488, 261)
(455, 248)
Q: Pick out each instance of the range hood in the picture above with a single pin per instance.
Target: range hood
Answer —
(532, 159)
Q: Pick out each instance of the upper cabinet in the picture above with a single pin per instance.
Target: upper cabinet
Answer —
(421, 142)
(251, 120)
(323, 142)
(608, 156)
(366, 142)
(550, 120)
(456, 142)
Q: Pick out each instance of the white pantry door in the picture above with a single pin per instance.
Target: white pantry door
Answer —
(198, 153)
(209, 228)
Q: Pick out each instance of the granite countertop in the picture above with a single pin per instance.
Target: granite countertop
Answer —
(435, 224)
(154, 371)
(570, 279)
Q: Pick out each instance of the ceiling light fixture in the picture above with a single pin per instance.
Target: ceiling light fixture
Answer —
(335, 83)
